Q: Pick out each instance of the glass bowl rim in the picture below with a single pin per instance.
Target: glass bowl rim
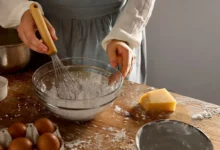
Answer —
(71, 58)
(75, 109)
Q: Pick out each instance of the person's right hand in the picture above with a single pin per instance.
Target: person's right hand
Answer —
(27, 33)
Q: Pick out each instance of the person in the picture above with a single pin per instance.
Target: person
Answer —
(108, 30)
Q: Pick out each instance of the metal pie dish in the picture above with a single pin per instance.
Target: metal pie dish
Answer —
(171, 135)
(83, 69)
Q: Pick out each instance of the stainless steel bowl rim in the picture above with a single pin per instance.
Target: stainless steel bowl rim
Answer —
(121, 78)
(12, 45)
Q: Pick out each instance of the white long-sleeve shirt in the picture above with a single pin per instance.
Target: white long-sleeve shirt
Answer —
(128, 27)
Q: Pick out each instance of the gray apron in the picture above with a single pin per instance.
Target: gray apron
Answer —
(81, 25)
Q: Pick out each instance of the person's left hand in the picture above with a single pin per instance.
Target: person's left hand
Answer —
(120, 53)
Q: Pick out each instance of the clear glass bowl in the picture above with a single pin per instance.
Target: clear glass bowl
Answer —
(101, 86)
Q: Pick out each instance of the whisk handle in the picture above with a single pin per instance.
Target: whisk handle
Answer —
(42, 27)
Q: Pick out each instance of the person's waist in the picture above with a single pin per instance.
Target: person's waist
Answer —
(82, 12)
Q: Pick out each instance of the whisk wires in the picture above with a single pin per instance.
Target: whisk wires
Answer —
(66, 84)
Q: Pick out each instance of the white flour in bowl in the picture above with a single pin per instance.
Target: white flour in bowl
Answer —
(94, 87)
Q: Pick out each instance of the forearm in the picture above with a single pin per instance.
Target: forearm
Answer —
(11, 12)
(131, 22)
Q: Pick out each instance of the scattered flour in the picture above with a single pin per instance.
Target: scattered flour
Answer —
(207, 109)
(119, 110)
(202, 115)
(115, 137)
(73, 145)
(129, 146)
(119, 135)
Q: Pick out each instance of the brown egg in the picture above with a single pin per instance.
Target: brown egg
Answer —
(21, 143)
(17, 130)
(44, 125)
(48, 141)
(1, 147)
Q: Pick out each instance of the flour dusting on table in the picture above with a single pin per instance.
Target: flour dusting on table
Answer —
(202, 115)
(115, 137)
(207, 109)
(119, 110)
(77, 144)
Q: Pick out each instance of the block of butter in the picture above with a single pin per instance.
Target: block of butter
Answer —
(159, 100)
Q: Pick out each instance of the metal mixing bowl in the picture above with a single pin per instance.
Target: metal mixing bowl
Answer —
(14, 55)
(87, 71)
(13, 58)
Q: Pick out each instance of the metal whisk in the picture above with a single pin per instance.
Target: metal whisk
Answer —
(67, 86)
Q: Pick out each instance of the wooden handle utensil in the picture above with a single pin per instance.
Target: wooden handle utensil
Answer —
(42, 27)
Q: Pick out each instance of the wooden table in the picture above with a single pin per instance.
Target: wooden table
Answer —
(113, 129)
